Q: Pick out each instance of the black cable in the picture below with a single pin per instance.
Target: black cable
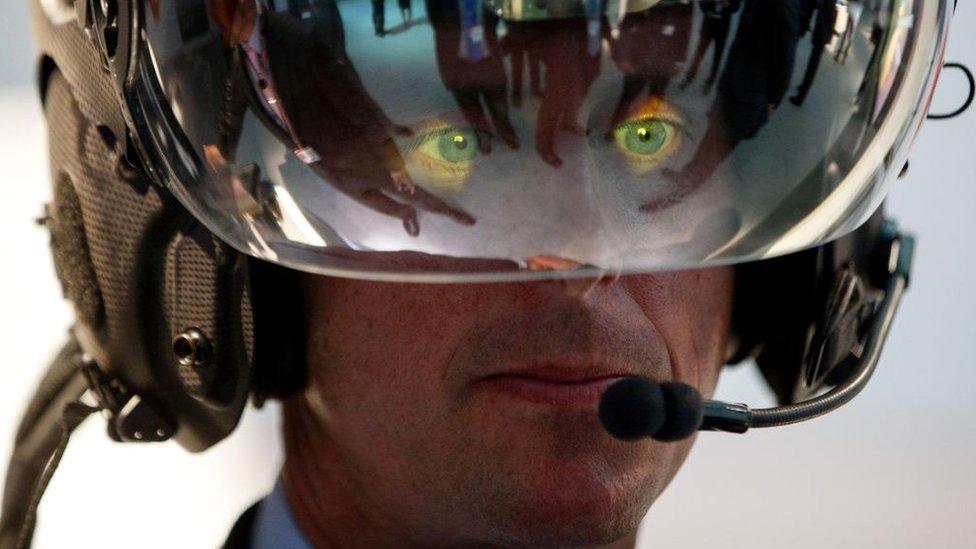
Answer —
(969, 99)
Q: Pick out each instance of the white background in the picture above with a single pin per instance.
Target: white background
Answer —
(892, 470)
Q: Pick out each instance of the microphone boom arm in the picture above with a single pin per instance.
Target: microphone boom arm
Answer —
(739, 418)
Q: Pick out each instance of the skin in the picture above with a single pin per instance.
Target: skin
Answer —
(410, 432)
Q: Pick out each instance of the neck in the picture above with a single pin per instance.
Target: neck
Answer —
(322, 496)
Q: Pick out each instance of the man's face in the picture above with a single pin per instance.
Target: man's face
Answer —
(467, 413)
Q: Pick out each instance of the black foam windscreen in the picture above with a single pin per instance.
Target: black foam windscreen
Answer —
(632, 408)
(684, 412)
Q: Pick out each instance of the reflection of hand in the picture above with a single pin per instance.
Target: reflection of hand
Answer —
(243, 199)
(236, 19)
(214, 156)
(401, 131)
(546, 262)
(683, 183)
(402, 182)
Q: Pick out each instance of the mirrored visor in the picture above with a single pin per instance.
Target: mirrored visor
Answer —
(492, 139)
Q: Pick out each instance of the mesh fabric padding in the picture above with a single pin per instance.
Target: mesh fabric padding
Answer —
(95, 96)
(110, 209)
(191, 302)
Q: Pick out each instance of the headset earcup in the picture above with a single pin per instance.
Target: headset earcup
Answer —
(279, 331)
(781, 303)
(141, 271)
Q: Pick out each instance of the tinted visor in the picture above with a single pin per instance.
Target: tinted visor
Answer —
(482, 139)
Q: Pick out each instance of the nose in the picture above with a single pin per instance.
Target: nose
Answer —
(580, 288)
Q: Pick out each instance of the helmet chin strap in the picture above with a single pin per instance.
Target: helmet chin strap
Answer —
(52, 415)
(72, 415)
(631, 411)
(72, 390)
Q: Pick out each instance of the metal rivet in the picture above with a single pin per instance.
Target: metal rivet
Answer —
(192, 348)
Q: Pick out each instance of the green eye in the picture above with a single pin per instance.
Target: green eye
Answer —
(442, 156)
(647, 142)
(452, 145)
(645, 137)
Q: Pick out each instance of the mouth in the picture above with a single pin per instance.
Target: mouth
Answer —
(554, 387)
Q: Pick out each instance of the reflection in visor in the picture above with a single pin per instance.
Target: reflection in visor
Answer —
(649, 136)
(511, 130)
(442, 156)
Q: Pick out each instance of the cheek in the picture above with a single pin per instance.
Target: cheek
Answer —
(693, 312)
(377, 352)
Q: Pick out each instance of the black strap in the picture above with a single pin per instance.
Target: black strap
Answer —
(37, 438)
(242, 532)
(73, 414)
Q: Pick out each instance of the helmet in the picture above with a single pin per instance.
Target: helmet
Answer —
(205, 151)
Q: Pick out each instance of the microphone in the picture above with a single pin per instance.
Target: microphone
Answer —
(635, 408)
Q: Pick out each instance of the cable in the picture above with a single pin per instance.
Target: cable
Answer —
(969, 99)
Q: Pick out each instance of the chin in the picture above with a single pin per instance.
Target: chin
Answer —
(575, 524)
(578, 507)
(562, 481)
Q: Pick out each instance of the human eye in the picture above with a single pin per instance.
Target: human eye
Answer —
(442, 155)
(649, 137)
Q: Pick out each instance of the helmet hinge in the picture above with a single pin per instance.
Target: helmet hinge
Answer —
(130, 417)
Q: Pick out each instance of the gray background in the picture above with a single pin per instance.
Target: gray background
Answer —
(892, 470)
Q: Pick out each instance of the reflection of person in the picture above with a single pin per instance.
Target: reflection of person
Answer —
(854, 11)
(668, 28)
(342, 135)
(518, 45)
(716, 21)
(823, 33)
(570, 70)
(871, 75)
(379, 15)
(473, 72)
(753, 83)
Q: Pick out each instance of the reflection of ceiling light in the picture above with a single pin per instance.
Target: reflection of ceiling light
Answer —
(59, 11)
(294, 224)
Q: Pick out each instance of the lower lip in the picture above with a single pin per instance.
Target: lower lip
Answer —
(565, 394)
